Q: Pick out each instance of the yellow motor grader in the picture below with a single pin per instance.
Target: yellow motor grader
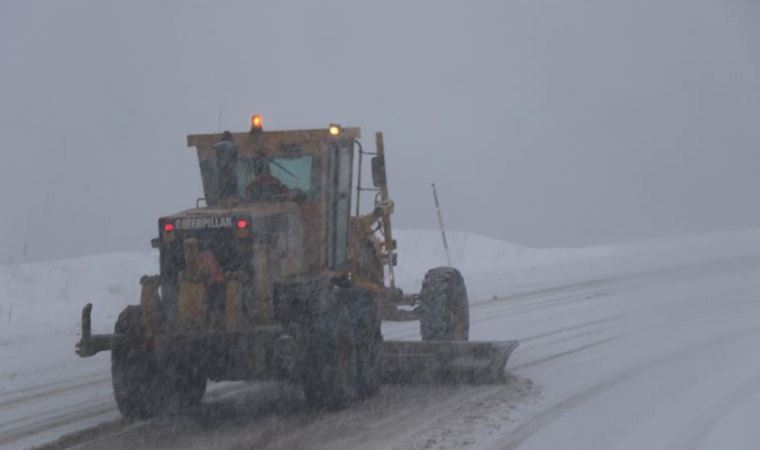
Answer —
(276, 274)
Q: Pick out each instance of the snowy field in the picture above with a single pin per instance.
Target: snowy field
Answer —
(650, 345)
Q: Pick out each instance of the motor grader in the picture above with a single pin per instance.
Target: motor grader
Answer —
(276, 274)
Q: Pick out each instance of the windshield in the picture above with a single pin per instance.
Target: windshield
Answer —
(264, 178)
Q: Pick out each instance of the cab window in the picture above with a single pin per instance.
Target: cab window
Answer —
(293, 173)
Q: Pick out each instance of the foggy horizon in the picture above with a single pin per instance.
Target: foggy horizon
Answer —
(543, 123)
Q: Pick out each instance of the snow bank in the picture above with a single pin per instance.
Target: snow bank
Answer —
(47, 297)
(478, 258)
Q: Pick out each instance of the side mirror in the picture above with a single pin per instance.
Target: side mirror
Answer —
(378, 171)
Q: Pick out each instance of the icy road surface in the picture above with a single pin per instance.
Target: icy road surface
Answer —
(639, 346)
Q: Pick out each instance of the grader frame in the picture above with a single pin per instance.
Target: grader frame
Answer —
(292, 287)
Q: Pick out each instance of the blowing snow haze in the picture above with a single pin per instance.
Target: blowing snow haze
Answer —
(546, 123)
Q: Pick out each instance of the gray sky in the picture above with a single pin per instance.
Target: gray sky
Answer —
(544, 122)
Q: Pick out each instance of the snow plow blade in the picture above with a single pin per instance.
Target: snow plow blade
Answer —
(445, 362)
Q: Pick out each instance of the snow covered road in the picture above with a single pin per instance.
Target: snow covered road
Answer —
(645, 346)
(680, 359)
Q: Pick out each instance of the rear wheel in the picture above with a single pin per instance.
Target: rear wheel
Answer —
(342, 343)
(133, 370)
(330, 369)
(369, 341)
(443, 307)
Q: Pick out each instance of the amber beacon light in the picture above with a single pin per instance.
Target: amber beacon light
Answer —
(256, 122)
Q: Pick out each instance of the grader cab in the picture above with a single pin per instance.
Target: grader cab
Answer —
(279, 275)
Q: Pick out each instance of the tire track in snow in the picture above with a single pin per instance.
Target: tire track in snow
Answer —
(46, 390)
(570, 328)
(484, 312)
(566, 353)
(629, 332)
(540, 420)
(51, 384)
(31, 427)
(564, 338)
(28, 426)
(570, 299)
(699, 428)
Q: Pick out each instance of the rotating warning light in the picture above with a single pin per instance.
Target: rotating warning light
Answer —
(241, 223)
(256, 122)
(334, 129)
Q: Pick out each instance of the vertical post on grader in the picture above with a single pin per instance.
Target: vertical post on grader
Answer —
(440, 223)
(389, 244)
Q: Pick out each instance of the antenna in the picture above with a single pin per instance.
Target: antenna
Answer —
(219, 118)
(440, 223)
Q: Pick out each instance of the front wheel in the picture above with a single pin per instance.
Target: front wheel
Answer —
(143, 387)
(443, 307)
(134, 371)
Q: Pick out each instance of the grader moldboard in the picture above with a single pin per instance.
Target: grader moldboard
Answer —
(275, 278)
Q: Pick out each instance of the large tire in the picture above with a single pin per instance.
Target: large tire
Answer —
(443, 307)
(330, 370)
(142, 387)
(133, 369)
(369, 341)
